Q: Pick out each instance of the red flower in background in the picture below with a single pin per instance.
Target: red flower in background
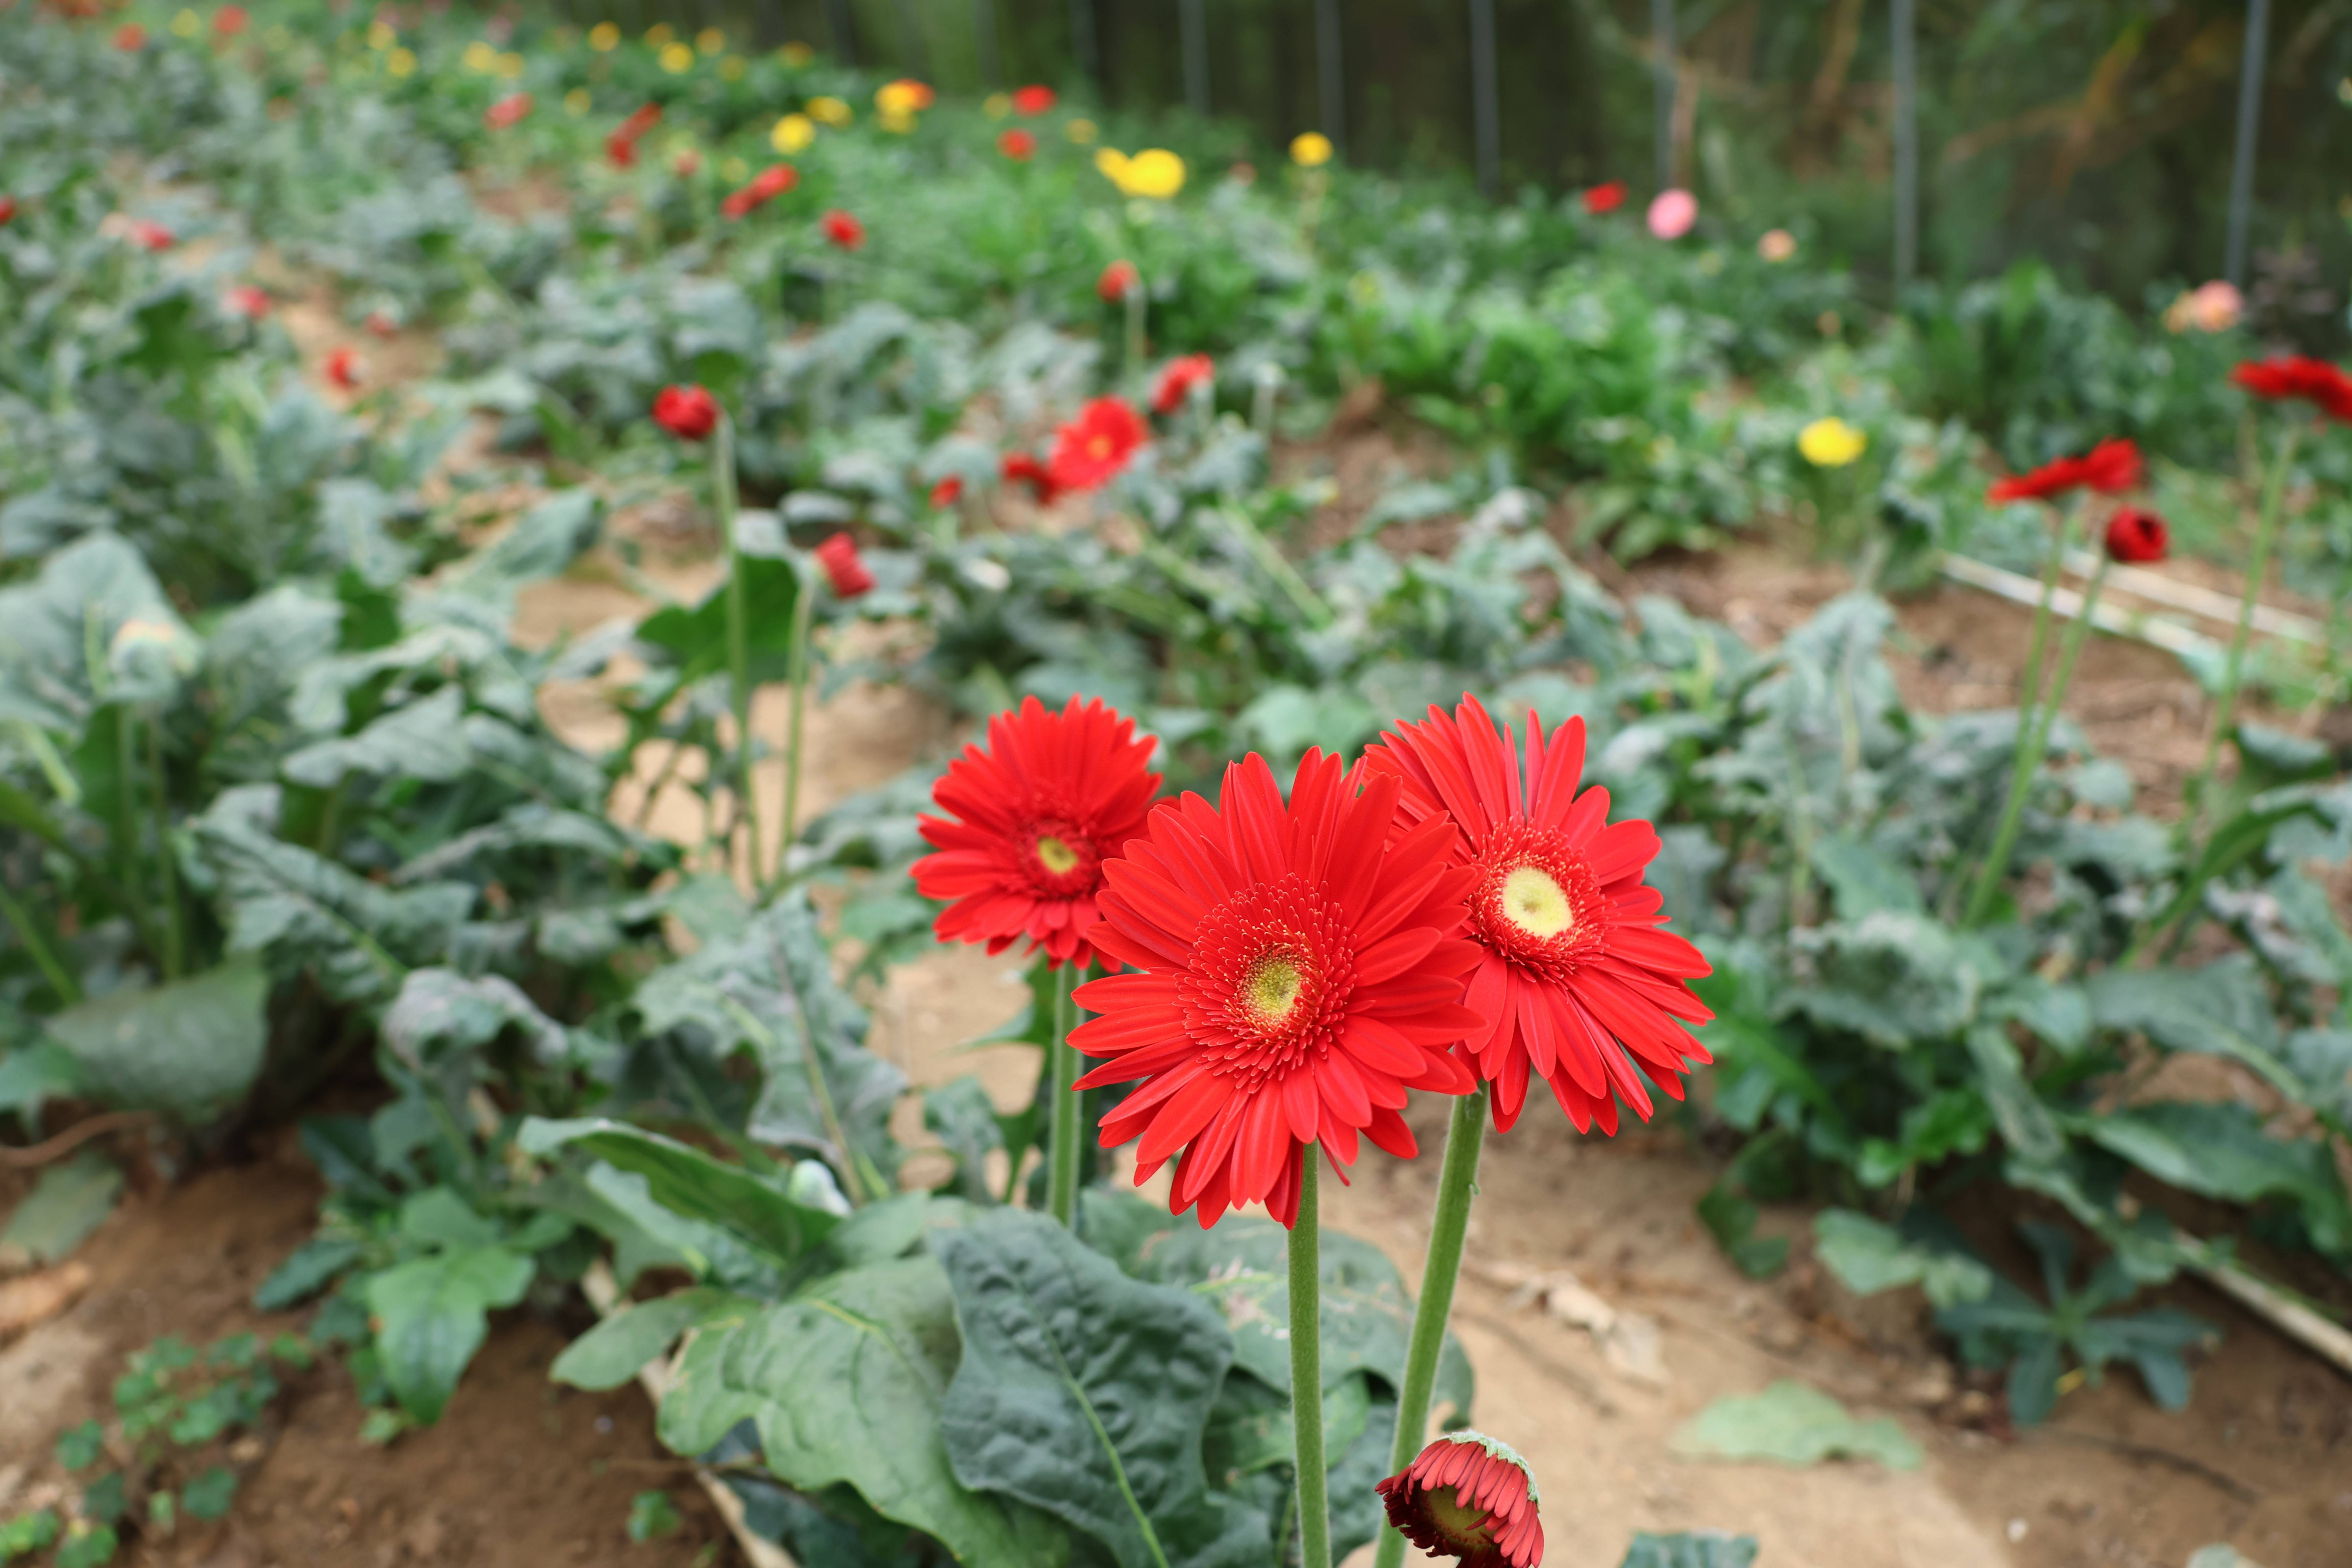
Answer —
(844, 231)
(1016, 145)
(1030, 818)
(762, 188)
(130, 37)
(380, 324)
(2313, 380)
(620, 151)
(149, 235)
(247, 300)
(2110, 468)
(688, 413)
(1575, 983)
(508, 112)
(231, 20)
(844, 567)
(7, 210)
(620, 146)
(1092, 448)
(1020, 467)
(1296, 974)
(1035, 100)
(1469, 1497)
(2137, 537)
(1178, 379)
(947, 492)
(1605, 198)
(345, 368)
(1115, 281)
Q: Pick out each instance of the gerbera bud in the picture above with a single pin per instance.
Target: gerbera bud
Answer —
(947, 492)
(1178, 380)
(1034, 100)
(1094, 448)
(1016, 145)
(2137, 537)
(1603, 199)
(844, 567)
(843, 230)
(1115, 281)
(247, 300)
(688, 413)
(2110, 468)
(764, 188)
(1469, 1497)
(345, 369)
(7, 210)
(508, 112)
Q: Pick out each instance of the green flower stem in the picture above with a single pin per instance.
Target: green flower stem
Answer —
(167, 872)
(2031, 749)
(1137, 304)
(1306, 1372)
(44, 958)
(2225, 705)
(1062, 1176)
(1457, 1184)
(739, 632)
(803, 626)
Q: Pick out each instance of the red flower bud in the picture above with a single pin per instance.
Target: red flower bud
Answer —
(2137, 537)
(688, 413)
(1016, 145)
(1115, 281)
(1178, 380)
(345, 368)
(843, 568)
(843, 230)
(947, 492)
(1605, 198)
(1034, 100)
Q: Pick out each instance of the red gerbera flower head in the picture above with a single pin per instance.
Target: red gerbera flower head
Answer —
(1295, 973)
(247, 300)
(844, 567)
(843, 230)
(947, 492)
(762, 188)
(149, 235)
(1115, 281)
(130, 37)
(1092, 448)
(1604, 198)
(7, 210)
(2136, 536)
(1017, 144)
(345, 368)
(1034, 100)
(688, 413)
(1031, 817)
(2313, 380)
(2111, 467)
(1021, 467)
(230, 20)
(508, 112)
(1575, 983)
(1469, 1497)
(1178, 379)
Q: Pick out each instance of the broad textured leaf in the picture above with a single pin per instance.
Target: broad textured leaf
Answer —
(1890, 977)
(965, 1120)
(1868, 1257)
(425, 739)
(1864, 882)
(65, 1205)
(693, 640)
(76, 607)
(755, 1211)
(1793, 1423)
(2222, 1009)
(435, 1316)
(33, 1076)
(613, 1352)
(309, 1269)
(439, 1010)
(189, 1048)
(1690, 1548)
(2221, 1152)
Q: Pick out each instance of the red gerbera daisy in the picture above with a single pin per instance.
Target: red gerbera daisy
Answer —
(1574, 982)
(1605, 198)
(1047, 801)
(1296, 974)
(844, 567)
(345, 368)
(1034, 99)
(508, 112)
(763, 187)
(1092, 448)
(2136, 537)
(947, 492)
(1017, 144)
(2313, 380)
(1021, 467)
(1115, 281)
(688, 413)
(1178, 380)
(843, 230)
(1469, 1497)
(2110, 468)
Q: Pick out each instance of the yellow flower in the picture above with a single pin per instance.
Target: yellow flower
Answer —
(401, 62)
(1310, 149)
(677, 59)
(796, 55)
(829, 111)
(793, 134)
(710, 40)
(660, 33)
(1112, 164)
(604, 37)
(1830, 443)
(481, 57)
(1081, 131)
(1155, 172)
(898, 98)
(509, 66)
(578, 100)
(381, 35)
(996, 105)
(187, 24)
(731, 69)
(896, 121)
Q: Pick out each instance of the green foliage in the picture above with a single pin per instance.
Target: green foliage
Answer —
(1794, 1424)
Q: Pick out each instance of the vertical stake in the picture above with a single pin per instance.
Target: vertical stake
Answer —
(1193, 16)
(1661, 45)
(1486, 114)
(1082, 41)
(1332, 83)
(1906, 141)
(845, 35)
(983, 43)
(914, 44)
(2250, 118)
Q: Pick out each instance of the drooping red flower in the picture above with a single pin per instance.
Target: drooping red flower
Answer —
(1575, 983)
(130, 37)
(7, 210)
(1177, 380)
(620, 146)
(247, 300)
(149, 235)
(1469, 1497)
(620, 151)
(844, 567)
(2111, 467)
(2313, 380)
(1294, 975)
(762, 188)
(1034, 100)
(843, 230)
(1030, 820)
(2137, 536)
(947, 492)
(1092, 448)
(345, 368)
(688, 413)
(1021, 468)
(231, 20)
(508, 112)
(1115, 281)
(1017, 144)
(1604, 198)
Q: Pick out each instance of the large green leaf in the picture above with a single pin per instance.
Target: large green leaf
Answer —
(69, 1202)
(2221, 1152)
(62, 635)
(1084, 1392)
(612, 1353)
(1793, 1423)
(189, 1048)
(844, 1383)
(693, 640)
(756, 1212)
(435, 1315)
(1868, 1257)
(424, 740)
(1891, 977)
(1690, 1548)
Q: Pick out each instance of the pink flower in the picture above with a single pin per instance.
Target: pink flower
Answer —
(149, 235)
(1672, 212)
(247, 300)
(508, 112)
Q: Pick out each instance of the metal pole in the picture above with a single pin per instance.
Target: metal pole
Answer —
(1906, 141)
(983, 43)
(914, 46)
(1487, 114)
(1661, 43)
(1332, 83)
(2250, 118)
(1192, 18)
(845, 37)
(1081, 40)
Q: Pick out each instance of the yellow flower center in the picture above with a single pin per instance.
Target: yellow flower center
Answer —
(1534, 903)
(1099, 449)
(1272, 987)
(1056, 856)
(1461, 1525)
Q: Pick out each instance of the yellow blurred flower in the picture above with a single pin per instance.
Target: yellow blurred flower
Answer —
(1155, 172)
(1081, 131)
(710, 40)
(896, 121)
(579, 100)
(829, 111)
(660, 33)
(677, 59)
(401, 62)
(1830, 443)
(381, 35)
(1310, 149)
(509, 66)
(479, 57)
(187, 24)
(796, 55)
(900, 98)
(604, 37)
(996, 105)
(793, 134)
